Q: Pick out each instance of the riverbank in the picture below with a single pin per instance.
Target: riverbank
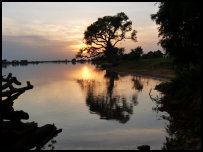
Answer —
(181, 100)
(158, 67)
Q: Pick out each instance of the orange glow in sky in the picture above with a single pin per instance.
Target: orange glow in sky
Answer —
(84, 52)
(42, 35)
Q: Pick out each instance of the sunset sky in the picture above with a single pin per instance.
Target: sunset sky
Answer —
(54, 30)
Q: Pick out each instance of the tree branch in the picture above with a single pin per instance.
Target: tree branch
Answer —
(15, 90)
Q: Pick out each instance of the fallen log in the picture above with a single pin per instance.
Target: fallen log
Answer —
(15, 115)
(28, 137)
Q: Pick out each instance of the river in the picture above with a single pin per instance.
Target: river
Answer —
(96, 109)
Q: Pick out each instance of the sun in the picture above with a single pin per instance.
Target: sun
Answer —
(80, 46)
(84, 52)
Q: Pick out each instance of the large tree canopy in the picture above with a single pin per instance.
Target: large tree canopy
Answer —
(180, 30)
(102, 36)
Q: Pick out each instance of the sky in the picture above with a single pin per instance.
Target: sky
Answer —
(54, 30)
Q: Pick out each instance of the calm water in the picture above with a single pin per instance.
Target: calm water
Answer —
(96, 109)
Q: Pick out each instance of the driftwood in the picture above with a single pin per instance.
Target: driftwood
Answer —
(16, 135)
(27, 135)
(11, 93)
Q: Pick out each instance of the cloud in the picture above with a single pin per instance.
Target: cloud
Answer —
(10, 26)
(34, 47)
(42, 27)
(40, 40)
(68, 30)
(147, 37)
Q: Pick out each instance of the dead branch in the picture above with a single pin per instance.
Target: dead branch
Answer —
(156, 99)
(15, 134)
(16, 90)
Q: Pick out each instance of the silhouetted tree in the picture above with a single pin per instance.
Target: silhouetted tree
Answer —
(153, 54)
(102, 36)
(73, 61)
(180, 24)
(150, 54)
(136, 53)
(180, 31)
(158, 54)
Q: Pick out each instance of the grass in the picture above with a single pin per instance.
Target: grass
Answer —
(158, 67)
(161, 67)
(157, 64)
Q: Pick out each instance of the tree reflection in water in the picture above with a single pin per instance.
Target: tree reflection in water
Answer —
(137, 83)
(107, 104)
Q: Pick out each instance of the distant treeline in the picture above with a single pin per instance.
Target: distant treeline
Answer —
(6, 63)
(134, 54)
(24, 62)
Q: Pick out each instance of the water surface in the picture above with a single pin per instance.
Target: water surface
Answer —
(96, 109)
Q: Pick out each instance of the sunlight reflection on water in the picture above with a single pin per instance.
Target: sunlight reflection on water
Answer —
(97, 109)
